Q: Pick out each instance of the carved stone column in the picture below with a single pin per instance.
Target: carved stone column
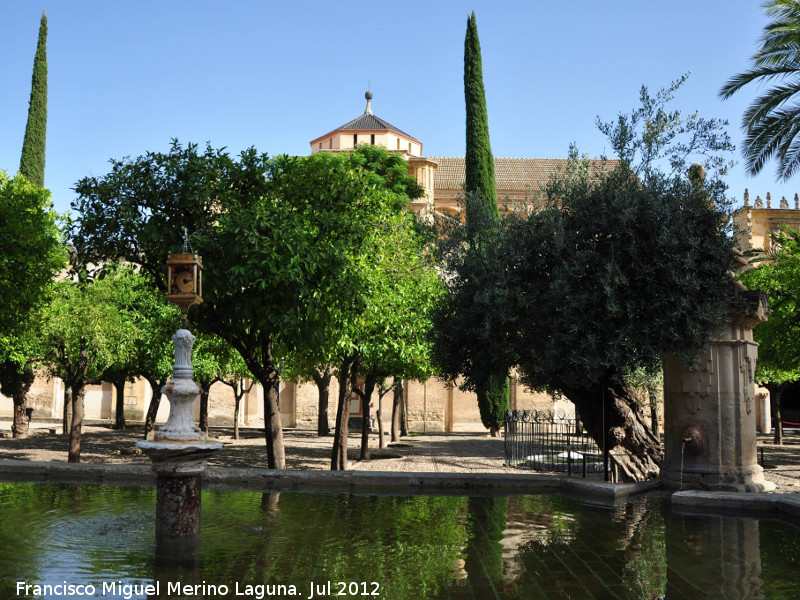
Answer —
(709, 409)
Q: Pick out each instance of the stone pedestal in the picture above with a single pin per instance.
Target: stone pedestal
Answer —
(709, 409)
(180, 450)
(179, 467)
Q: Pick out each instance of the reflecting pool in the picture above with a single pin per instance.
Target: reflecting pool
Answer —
(100, 540)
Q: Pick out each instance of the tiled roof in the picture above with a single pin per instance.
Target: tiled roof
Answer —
(369, 122)
(511, 174)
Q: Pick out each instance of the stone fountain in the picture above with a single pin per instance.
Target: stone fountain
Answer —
(709, 408)
(179, 450)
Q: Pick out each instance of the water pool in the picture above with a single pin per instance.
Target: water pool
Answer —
(279, 545)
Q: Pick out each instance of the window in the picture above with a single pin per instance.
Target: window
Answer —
(372, 138)
(355, 139)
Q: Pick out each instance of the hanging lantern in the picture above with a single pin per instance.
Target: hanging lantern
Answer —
(185, 280)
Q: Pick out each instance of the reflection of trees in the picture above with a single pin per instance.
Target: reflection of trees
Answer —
(510, 548)
(574, 549)
(780, 553)
(20, 531)
(483, 561)
(408, 545)
(644, 548)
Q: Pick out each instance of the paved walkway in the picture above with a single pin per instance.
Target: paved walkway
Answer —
(419, 453)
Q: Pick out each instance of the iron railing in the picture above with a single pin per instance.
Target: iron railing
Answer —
(545, 441)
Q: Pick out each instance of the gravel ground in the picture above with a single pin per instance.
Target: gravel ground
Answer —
(453, 452)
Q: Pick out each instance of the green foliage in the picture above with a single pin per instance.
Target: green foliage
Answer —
(280, 238)
(138, 210)
(392, 334)
(493, 400)
(214, 359)
(657, 140)
(479, 163)
(472, 320)
(84, 331)
(611, 276)
(778, 337)
(31, 163)
(482, 218)
(148, 317)
(770, 122)
(31, 251)
(378, 306)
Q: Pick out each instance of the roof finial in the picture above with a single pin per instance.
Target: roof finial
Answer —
(368, 96)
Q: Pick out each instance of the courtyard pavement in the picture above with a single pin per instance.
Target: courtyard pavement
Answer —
(469, 454)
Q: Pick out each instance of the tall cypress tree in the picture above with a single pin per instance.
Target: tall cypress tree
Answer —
(479, 161)
(481, 205)
(31, 163)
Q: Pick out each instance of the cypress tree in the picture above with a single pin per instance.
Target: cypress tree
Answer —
(31, 163)
(479, 162)
(481, 206)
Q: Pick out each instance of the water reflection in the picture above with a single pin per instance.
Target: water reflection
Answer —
(524, 547)
(716, 556)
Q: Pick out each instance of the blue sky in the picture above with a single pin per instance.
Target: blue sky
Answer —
(127, 77)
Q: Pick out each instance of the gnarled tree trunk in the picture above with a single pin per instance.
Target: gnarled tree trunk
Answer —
(16, 383)
(623, 430)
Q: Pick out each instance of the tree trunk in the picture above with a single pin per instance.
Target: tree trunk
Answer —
(16, 384)
(323, 381)
(152, 410)
(204, 391)
(66, 420)
(237, 401)
(339, 452)
(403, 411)
(366, 397)
(262, 366)
(622, 431)
(379, 414)
(78, 388)
(776, 394)
(653, 396)
(397, 409)
(119, 420)
(273, 429)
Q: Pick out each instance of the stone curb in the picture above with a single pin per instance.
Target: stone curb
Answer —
(787, 504)
(336, 481)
